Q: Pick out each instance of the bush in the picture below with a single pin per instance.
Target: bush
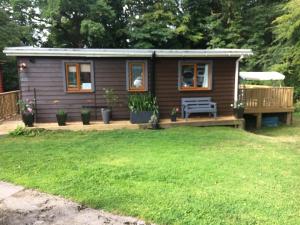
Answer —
(110, 97)
(85, 111)
(23, 131)
(61, 112)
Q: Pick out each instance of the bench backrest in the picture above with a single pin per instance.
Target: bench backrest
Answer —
(197, 100)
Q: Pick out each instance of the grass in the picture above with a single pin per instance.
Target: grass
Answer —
(176, 176)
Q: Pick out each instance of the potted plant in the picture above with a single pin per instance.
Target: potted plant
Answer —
(61, 117)
(238, 109)
(111, 99)
(154, 122)
(85, 116)
(142, 107)
(27, 111)
(174, 114)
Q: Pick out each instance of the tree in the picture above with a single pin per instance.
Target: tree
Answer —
(13, 33)
(85, 23)
(151, 24)
(192, 27)
(286, 52)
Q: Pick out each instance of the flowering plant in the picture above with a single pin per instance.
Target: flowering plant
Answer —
(26, 106)
(174, 111)
(237, 105)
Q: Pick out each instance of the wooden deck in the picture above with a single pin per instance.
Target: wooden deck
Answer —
(265, 99)
(204, 122)
(8, 126)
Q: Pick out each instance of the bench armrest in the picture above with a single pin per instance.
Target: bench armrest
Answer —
(213, 104)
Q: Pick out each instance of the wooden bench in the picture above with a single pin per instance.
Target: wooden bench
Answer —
(198, 105)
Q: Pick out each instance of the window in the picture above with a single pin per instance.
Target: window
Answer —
(137, 76)
(195, 76)
(79, 77)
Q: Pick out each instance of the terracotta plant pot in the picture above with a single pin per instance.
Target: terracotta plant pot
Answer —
(28, 119)
(61, 119)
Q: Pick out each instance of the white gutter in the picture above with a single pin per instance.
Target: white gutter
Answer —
(147, 53)
(236, 78)
(40, 52)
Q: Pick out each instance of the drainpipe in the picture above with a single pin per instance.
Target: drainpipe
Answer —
(236, 81)
(153, 74)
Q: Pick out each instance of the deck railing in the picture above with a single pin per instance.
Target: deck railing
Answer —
(8, 104)
(268, 99)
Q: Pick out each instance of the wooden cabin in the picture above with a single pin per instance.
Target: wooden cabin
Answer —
(69, 79)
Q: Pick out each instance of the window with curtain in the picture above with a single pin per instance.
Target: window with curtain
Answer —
(137, 76)
(78, 77)
(195, 76)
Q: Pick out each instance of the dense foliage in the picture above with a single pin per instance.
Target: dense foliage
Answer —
(270, 27)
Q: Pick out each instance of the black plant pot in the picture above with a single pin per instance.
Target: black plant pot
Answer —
(86, 118)
(106, 114)
(173, 118)
(28, 119)
(140, 117)
(61, 119)
(239, 113)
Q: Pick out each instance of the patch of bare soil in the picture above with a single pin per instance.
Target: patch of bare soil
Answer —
(29, 207)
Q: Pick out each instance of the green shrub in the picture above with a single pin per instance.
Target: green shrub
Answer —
(110, 97)
(61, 112)
(23, 131)
(85, 111)
(143, 102)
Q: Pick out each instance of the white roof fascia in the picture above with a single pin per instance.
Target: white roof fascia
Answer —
(84, 52)
(204, 53)
(65, 52)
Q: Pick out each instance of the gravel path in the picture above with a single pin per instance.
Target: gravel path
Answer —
(19, 206)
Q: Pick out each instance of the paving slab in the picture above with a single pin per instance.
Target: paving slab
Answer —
(21, 206)
(7, 189)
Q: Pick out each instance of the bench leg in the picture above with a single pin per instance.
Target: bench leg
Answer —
(186, 115)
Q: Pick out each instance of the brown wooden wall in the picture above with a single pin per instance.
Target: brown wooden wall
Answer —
(168, 95)
(46, 76)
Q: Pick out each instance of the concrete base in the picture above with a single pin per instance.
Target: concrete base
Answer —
(7, 190)
(23, 206)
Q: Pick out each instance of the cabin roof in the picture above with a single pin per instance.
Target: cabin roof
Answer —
(134, 53)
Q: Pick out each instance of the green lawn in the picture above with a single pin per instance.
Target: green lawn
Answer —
(175, 176)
